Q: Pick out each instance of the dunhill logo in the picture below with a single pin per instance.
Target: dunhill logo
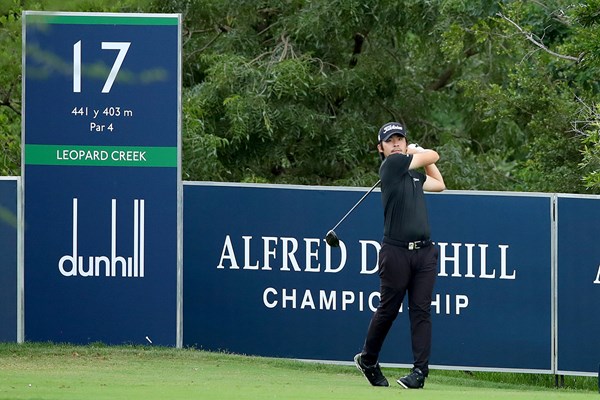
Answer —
(130, 267)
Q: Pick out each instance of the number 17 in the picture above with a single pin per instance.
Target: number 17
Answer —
(123, 47)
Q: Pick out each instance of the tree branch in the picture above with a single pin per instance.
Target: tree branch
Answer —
(6, 100)
(446, 76)
(207, 45)
(532, 38)
(359, 39)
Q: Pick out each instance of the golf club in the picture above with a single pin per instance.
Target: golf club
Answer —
(331, 237)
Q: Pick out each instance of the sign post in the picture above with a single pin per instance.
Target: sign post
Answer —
(102, 181)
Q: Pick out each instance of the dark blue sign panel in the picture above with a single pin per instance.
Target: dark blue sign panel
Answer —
(102, 177)
(260, 279)
(578, 285)
(495, 255)
(8, 259)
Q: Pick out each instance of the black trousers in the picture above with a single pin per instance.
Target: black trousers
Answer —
(404, 271)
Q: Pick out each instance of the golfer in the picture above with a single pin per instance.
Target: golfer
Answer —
(407, 259)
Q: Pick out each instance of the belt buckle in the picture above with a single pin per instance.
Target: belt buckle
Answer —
(411, 245)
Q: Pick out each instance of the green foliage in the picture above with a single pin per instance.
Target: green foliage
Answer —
(300, 98)
(533, 103)
(591, 155)
(294, 91)
(10, 89)
(587, 125)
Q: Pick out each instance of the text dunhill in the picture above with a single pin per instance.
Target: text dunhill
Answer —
(131, 267)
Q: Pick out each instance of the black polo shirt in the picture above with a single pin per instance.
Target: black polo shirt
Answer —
(404, 209)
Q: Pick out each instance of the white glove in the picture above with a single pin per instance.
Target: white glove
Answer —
(418, 148)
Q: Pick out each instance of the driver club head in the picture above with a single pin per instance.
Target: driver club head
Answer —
(332, 239)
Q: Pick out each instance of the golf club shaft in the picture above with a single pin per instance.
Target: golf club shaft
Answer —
(356, 205)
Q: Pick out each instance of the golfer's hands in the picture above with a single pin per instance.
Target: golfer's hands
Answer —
(414, 148)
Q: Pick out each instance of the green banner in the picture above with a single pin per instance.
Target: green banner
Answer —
(100, 19)
(103, 156)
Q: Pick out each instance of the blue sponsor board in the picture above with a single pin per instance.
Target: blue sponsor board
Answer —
(578, 285)
(260, 278)
(102, 177)
(8, 259)
(495, 254)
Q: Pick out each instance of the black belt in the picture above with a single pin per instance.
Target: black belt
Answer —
(416, 245)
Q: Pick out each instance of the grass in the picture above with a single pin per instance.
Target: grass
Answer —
(50, 371)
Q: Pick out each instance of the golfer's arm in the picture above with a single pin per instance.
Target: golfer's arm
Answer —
(434, 181)
(422, 157)
(427, 158)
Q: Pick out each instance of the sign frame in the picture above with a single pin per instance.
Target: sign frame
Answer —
(575, 285)
(124, 150)
(7, 206)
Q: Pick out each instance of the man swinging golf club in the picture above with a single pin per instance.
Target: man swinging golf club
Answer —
(407, 260)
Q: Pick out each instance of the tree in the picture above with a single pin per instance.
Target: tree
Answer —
(586, 17)
(294, 91)
(10, 89)
(546, 91)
